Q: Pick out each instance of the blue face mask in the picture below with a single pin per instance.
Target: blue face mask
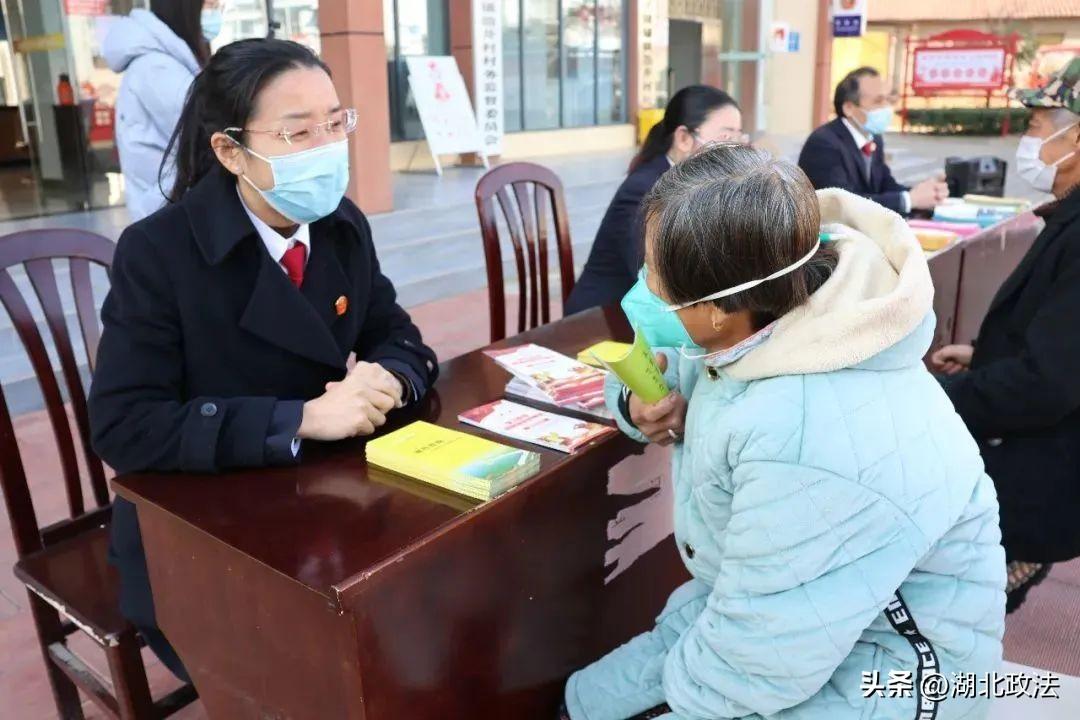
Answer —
(211, 20)
(648, 315)
(878, 121)
(308, 185)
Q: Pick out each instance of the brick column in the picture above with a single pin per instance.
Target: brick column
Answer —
(461, 40)
(822, 67)
(354, 48)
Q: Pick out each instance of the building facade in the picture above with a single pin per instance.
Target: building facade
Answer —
(575, 75)
(1052, 26)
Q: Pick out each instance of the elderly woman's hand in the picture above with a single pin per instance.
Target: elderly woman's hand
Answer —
(662, 422)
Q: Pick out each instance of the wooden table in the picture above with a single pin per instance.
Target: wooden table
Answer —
(334, 590)
(989, 258)
(968, 274)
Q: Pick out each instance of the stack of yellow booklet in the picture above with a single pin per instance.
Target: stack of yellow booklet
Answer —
(459, 462)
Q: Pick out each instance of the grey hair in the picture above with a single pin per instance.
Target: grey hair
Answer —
(729, 214)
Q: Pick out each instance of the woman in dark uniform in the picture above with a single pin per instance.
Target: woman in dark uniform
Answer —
(234, 309)
(696, 115)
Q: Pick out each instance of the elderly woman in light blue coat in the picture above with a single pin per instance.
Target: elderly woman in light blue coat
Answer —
(830, 505)
(159, 52)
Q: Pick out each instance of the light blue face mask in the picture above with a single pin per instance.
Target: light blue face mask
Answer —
(647, 315)
(879, 120)
(660, 322)
(308, 185)
(211, 20)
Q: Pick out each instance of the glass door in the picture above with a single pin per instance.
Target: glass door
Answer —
(734, 58)
(58, 85)
(58, 96)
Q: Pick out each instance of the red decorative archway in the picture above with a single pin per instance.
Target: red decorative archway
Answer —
(959, 63)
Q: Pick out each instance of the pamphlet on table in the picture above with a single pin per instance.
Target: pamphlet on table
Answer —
(527, 424)
(563, 381)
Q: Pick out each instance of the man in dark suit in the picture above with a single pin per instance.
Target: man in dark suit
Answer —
(849, 152)
(1018, 386)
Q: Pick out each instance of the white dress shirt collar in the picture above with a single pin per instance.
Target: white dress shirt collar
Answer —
(276, 244)
(857, 134)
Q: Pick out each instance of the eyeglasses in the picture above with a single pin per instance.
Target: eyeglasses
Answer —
(340, 123)
(726, 136)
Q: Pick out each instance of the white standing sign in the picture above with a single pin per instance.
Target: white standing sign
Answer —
(444, 108)
(488, 72)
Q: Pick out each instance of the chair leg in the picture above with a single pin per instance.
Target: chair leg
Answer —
(129, 679)
(66, 694)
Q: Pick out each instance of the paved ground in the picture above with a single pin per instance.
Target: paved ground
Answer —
(1044, 634)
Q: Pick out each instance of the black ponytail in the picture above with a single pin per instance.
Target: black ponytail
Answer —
(223, 95)
(689, 108)
(184, 17)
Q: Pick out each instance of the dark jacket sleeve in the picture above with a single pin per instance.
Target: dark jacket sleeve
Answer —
(139, 417)
(889, 185)
(625, 227)
(823, 163)
(388, 336)
(1037, 388)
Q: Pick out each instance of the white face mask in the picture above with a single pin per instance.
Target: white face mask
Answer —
(753, 283)
(718, 357)
(1031, 167)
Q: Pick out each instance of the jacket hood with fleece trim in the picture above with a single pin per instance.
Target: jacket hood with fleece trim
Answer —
(874, 312)
(142, 33)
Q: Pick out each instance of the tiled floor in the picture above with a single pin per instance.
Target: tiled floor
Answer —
(1044, 634)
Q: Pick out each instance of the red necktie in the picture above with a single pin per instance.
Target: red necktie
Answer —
(869, 148)
(293, 261)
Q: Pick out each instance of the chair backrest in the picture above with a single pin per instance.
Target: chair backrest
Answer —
(35, 251)
(524, 192)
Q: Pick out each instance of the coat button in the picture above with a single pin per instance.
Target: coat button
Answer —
(689, 550)
(994, 442)
(712, 373)
(208, 409)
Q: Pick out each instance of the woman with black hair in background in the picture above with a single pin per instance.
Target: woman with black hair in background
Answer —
(159, 51)
(234, 309)
(695, 116)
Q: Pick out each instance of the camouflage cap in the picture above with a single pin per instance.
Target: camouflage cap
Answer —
(1063, 90)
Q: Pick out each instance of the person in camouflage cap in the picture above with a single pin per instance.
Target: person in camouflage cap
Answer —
(1017, 388)
(1051, 139)
(1063, 90)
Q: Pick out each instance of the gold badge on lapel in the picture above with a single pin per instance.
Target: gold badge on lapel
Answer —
(341, 305)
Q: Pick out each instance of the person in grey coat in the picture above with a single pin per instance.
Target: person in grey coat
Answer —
(159, 51)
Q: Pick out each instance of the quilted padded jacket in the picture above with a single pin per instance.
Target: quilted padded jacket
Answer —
(834, 513)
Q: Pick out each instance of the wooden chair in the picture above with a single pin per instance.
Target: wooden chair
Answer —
(534, 188)
(70, 584)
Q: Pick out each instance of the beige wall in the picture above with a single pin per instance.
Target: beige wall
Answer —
(789, 77)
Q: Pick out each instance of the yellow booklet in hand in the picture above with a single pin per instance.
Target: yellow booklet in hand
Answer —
(460, 462)
(605, 348)
(636, 366)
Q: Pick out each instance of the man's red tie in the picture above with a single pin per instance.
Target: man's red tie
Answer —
(869, 148)
(293, 261)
